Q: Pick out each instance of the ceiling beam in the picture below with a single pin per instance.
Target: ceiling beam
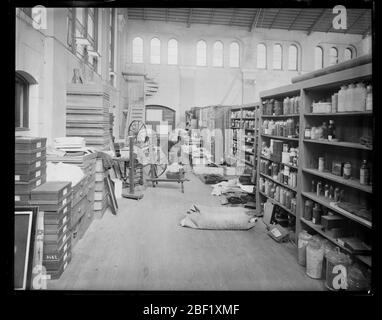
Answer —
(167, 14)
(274, 19)
(212, 13)
(356, 20)
(312, 26)
(255, 20)
(295, 19)
(189, 17)
(144, 14)
(233, 16)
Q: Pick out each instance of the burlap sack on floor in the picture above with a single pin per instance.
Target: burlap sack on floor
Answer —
(219, 218)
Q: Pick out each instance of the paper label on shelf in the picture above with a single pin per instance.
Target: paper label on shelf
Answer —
(276, 232)
(38, 173)
(38, 154)
(342, 243)
(17, 198)
(38, 145)
(17, 178)
(38, 164)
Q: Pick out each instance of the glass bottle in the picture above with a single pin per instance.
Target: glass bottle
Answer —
(331, 130)
(319, 188)
(341, 99)
(331, 192)
(360, 97)
(326, 194)
(350, 97)
(314, 187)
(324, 131)
(369, 98)
(316, 215)
(364, 173)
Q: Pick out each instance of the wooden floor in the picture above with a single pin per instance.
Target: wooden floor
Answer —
(144, 248)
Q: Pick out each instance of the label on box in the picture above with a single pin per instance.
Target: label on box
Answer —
(65, 265)
(65, 191)
(64, 202)
(38, 182)
(65, 256)
(17, 198)
(38, 164)
(276, 232)
(65, 209)
(65, 246)
(38, 145)
(38, 173)
(38, 154)
(65, 218)
(65, 227)
(64, 238)
(17, 178)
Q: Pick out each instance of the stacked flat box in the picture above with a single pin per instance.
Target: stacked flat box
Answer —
(87, 114)
(54, 198)
(30, 167)
(82, 198)
(100, 195)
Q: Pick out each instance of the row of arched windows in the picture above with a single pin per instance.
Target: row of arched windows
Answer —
(277, 58)
(201, 52)
(333, 56)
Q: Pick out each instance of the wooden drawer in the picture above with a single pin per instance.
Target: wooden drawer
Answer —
(46, 205)
(78, 211)
(52, 191)
(58, 217)
(30, 156)
(55, 264)
(57, 274)
(53, 233)
(27, 187)
(29, 143)
(22, 168)
(80, 192)
(52, 251)
(25, 177)
(60, 241)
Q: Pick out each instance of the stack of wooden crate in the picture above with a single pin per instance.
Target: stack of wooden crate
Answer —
(87, 114)
(82, 199)
(30, 167)
(100, 195)
(54, 198)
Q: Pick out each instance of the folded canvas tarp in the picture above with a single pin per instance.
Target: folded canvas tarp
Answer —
(219, 218)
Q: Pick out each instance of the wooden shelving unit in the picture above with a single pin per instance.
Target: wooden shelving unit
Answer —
(245, 119)
(350, 127)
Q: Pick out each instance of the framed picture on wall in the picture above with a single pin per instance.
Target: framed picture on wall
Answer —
(25, 224)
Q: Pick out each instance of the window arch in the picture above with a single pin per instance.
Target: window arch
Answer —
(333, 56)
(217, 60)
(138, 50)
(155, 51)
(277, 56)
(261, 56)
(172, 52)
(293, 57)
(318, 58)
(348, 54)
(234, 55)
(201, 53)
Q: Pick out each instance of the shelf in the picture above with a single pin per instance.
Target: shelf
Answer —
(248, 163)
(235, 118)
(277, 203)
(250, 129)
(347, 182)
(281, 116)
(249, 152)
(250, 118)
(325, 202)
(318, 229)
(335, 114)
(352, 145)
(278, 182)
(277, 137)
(285, 164)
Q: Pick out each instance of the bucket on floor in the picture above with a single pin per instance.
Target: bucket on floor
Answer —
(314, 257)
(337, 264)
(303, 240)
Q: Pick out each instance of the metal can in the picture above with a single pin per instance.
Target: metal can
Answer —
(321, 164)
(347, 170)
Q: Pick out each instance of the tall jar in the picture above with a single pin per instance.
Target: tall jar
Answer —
(369, 98)
(350, 98)
(308, 210)
(328, 247)
(314, 258)
(334, 103)
(360, 97)
(337, 264)
(303, 240)
(341, 99)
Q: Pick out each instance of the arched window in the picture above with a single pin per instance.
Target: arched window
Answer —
(155, 51)
(348, 54)
(218, 54)
(172, 52)
(277, 57)
(261, 56)
(234, 55)
(21, 102)
(201, 53)
(318, 58)
(137, 50)
(333, 56)
(293, 57)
